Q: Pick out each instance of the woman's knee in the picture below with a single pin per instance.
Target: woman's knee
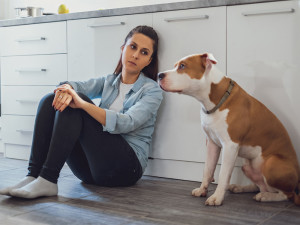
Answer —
(46, 100)
(48, 97)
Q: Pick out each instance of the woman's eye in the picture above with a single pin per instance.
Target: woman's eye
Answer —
(132, 46)
(181, 66)
(144, 52)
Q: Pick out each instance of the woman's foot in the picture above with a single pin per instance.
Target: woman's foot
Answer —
(22, 183)
(38, 188)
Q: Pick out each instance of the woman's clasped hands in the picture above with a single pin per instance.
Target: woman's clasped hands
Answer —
(65, 96)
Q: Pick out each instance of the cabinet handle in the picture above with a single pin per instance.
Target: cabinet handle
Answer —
(24, 131)
(174, 19)
(27, 101)
(31, 39)
(268, 12)
(106, 24)
(31, 70)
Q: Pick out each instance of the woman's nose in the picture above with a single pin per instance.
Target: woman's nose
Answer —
(135, 55)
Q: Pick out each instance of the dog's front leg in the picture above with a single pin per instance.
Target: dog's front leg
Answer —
(229, 155)
(213, 153)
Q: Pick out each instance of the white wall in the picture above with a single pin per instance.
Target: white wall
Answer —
(7, 6)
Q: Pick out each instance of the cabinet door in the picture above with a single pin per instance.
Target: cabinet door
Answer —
(94, 45)
(264, 55)
(178, 134)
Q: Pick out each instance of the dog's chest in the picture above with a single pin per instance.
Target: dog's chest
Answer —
(215, 126)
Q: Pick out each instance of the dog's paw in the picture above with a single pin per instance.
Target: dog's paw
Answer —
(234, 188)
(270, 197)
(261, 197)
(199, 192)
(214, 200)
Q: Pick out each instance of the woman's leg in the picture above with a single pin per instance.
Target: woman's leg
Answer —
(79, 165)
(103, 158)
(42, 135)
(115, 165)
(65, 131)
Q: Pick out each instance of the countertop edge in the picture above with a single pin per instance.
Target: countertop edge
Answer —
(129, 11)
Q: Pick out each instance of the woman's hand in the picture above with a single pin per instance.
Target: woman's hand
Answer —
(66, 96)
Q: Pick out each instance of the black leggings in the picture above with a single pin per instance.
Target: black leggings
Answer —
(73, 136)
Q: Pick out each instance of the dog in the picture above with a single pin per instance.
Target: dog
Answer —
(239, 125)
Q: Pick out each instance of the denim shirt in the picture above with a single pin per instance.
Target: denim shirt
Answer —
(135, 122)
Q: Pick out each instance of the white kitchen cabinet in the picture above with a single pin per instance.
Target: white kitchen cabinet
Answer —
(263, 55)
(94, 45)
(178, 140)
(33, 62)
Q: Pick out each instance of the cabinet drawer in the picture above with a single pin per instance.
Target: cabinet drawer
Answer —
(17, 151)
(34, 70)
(23, 100)
(18, 129)
(46, 38)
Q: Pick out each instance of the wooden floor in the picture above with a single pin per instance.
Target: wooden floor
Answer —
(150, 201)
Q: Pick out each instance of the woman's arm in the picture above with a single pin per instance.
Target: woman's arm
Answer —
(96, 112)
(92, 88)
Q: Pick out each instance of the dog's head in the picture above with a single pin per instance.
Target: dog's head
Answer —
(187, 71)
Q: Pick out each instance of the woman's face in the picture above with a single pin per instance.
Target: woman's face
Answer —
(136, 54)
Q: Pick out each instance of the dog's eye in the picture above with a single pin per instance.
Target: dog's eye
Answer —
(181, 66)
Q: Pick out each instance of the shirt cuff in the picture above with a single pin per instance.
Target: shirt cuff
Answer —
(111, 120)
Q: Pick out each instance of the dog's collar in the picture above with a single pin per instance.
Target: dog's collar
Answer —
(223, 99)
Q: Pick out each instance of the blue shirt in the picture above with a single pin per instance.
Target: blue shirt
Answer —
(135, 122)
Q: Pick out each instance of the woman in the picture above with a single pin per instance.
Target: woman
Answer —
(106, 145)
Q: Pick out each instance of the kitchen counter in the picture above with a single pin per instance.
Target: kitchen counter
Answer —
(129, 11)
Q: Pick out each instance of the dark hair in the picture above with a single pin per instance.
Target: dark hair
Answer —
(152, 69)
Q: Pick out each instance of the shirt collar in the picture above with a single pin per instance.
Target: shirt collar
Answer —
(137, 85)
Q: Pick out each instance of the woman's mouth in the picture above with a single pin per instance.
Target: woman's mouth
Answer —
(132, 63)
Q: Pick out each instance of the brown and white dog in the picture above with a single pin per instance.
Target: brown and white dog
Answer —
(241, 126)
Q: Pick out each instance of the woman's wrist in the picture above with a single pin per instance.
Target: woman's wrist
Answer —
(85, 105)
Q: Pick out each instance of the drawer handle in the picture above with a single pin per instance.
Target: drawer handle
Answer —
(24, 131)
(175, 19)
(268, 12)
(31, 70)
(27, 101)
(31, 39)
(106, 24)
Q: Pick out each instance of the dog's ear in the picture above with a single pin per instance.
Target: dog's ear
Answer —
(208, 59)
